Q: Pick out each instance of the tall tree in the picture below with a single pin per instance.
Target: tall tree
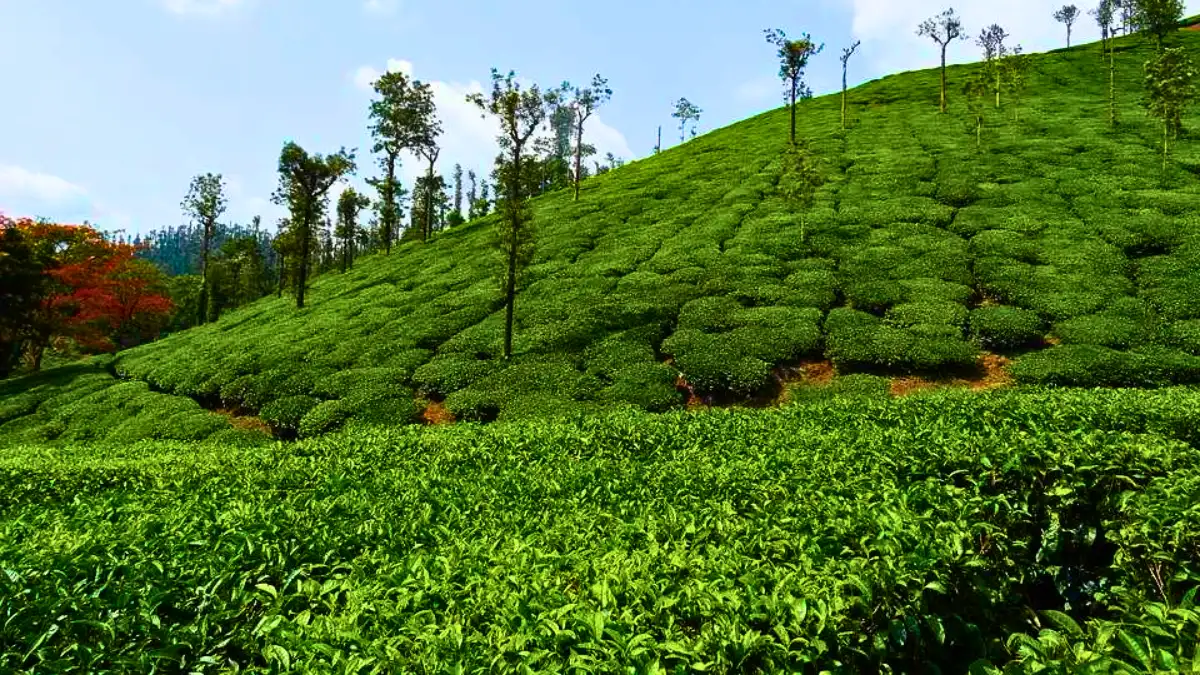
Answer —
(1067, 15)
(520, 111)
(1157, 18)
(424, 129)
(943, 29)
(991, 40)
(458, 189)
(204, 204)
(1103, 14)
(304, 183)
(584, 103)
(22, 287)
(350, 202)
(399, 122)
(472, 194)
(793, 59)
(847, 52)
(1171, 78)
(686, 111)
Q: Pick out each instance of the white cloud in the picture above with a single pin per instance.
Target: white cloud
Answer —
(381, 6)
(204, 7)
(21, 184)
(364, 78)
(469, 138)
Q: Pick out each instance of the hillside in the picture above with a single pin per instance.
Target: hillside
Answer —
(1057, 243)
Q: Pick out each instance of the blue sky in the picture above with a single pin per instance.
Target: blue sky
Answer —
(112, 107)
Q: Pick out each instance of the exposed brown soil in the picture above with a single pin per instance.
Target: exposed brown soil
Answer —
(1195, 26)
(245, 422)
(993, 373)
(817, 372)
(436, 413)
(694, 401)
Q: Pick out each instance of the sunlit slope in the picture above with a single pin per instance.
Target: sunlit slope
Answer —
(1058, 241)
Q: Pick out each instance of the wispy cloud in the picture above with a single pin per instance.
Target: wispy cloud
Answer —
(202, 7)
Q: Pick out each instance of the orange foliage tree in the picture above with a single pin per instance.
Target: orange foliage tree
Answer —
(97, 292)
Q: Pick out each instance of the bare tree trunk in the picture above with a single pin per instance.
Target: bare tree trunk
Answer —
(510, 283)
(202, 316)
(843, 96)
(658, 148)
(429, 200)
(302, 279)
(579, 152)
(793, 109)
(944, 77)
(282, 274)
(1112, 87)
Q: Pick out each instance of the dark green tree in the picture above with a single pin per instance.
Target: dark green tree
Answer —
(793, 59)
(1067, 15)
(472, 193)
(943, 29)
(458, 190)
(424, 131)
(399, 116)
(520, 111)
(204, 204)
(22, 287)
(350, 202)
(1171, 78)
(304, 183)
(1157, 18)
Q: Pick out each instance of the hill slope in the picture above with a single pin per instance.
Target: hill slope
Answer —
(920, 250)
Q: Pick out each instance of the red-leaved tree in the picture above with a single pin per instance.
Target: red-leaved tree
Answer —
(97, 293)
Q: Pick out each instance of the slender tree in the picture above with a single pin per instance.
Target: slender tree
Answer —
(1067, 15)
(520, 111)
(800, 180)
(399, 121)
(1171, 78)
(658, 144)
(1156, 18)
(991, 40)
(847, 52)
(583, 104)
(458, 189)
(1103, 14)
(943, 29)
(975, 88)
(1015, 68)
(472, 194)
(350, 202)
(304, 183)
(204, 204)
(793, 59)
(686, 112)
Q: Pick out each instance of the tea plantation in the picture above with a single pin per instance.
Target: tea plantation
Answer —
(150, 523)
(1059, 241)
(1037, 528)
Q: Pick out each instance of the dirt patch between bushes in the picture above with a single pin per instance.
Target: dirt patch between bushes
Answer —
(244, 422)
(993, 373)
(437, 413)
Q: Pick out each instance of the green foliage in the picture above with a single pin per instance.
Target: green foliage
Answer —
(285, 414)
(1001, 327)
(870, 534)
